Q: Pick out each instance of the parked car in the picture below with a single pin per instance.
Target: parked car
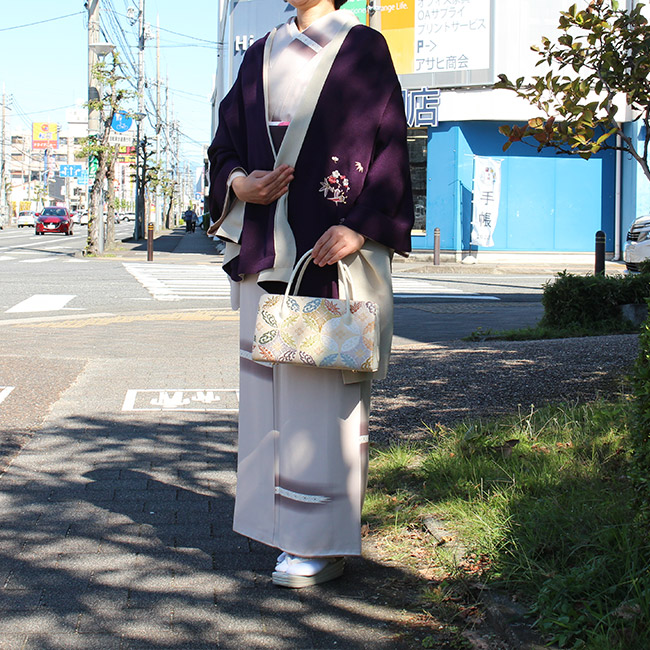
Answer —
(80, 218)
(637, 246)
(26, 218)
(54, 219)
(127, 216)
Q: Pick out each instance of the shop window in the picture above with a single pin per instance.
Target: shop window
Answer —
(417, 145)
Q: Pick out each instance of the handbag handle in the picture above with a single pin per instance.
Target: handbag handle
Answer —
(299, 270)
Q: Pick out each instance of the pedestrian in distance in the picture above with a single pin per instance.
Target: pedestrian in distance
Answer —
(310, 153)
(190, 219)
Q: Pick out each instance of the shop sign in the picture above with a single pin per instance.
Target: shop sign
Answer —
(45, 135)
(421, 106)
(485, 201)
(450, 41)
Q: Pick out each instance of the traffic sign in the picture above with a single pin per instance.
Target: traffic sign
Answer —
(121, 122)
(122, 131)
(66, 171)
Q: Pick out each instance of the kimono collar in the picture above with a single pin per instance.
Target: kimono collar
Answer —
(321, 31)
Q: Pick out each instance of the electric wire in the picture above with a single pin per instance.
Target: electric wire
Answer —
(40, 22)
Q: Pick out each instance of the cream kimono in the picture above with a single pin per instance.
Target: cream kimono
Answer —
(303, 432)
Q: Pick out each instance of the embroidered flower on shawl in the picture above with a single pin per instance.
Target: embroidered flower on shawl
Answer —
(335, 187)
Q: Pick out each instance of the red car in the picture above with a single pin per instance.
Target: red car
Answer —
(53, 219)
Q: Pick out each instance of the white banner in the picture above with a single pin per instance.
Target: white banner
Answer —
(485, 210)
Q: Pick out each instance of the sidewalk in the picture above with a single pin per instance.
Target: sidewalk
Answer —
(177, 245)
(197, 247)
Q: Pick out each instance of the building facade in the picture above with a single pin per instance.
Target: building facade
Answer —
(448, 54)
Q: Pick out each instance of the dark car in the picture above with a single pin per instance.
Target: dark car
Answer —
(53, 219)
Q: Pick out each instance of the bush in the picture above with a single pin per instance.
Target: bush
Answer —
(589, 301)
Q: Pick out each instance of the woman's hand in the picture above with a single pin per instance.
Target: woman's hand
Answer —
(263, 187)
(336, 243)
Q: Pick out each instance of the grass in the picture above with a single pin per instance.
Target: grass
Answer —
(539, 505)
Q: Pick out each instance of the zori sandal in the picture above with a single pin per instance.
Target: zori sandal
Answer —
(296, 572)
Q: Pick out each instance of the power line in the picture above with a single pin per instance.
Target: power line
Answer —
(47, 110)
(170, 31)
(40, 22)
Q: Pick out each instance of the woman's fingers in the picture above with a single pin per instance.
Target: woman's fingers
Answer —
(262, 186)
(336, 243)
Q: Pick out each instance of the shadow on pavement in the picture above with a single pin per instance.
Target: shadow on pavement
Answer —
(450, 382)
(162, 244)
(117, 534)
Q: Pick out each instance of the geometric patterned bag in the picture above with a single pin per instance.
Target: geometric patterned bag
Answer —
(323, 332)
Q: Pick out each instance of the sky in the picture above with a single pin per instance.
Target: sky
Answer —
(44, 66)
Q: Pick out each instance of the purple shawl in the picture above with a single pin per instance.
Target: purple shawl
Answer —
(353, 168)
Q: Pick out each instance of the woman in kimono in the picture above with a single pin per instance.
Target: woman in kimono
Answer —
(310, 152)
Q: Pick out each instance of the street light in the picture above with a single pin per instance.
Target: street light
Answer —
(102, 49)
(139, 200)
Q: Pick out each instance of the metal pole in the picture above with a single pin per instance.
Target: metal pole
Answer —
(3, 188)
(436, 246)
(136, 226)
(141, 41)
(102, 224)
(150, 242)
(93, 37)
(600, 253)
(158, 218)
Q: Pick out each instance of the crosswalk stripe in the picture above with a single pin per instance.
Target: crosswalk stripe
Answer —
(37, 260)
(416, 288)
(178, 281)
(200, 282)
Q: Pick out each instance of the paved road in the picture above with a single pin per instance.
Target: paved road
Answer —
(115, 513)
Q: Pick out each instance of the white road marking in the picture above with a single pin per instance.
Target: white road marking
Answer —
(181, 282)
(417, 288)
(182, 399)
(43, 243)
(36, 260)
(6, 258)
(169, 282)
(41, 302)
(4, 392)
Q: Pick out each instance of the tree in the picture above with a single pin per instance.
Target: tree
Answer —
(146, 174)
(109, 78)
(601, 57)
(110, 198)
(159, 178)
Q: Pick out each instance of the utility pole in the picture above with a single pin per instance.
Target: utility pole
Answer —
(3, 135)
(169, 140)
(3, 165)
(158, 220)
(139, 200)
(179, 206)
(93, 37)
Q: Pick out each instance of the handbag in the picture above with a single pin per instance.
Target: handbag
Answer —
(333, 333)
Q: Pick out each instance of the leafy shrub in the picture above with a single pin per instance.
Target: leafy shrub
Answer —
(588, 301)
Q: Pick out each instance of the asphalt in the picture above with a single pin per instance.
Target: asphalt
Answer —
(115, 527)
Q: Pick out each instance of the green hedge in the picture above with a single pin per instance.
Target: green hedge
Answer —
(588, 301)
